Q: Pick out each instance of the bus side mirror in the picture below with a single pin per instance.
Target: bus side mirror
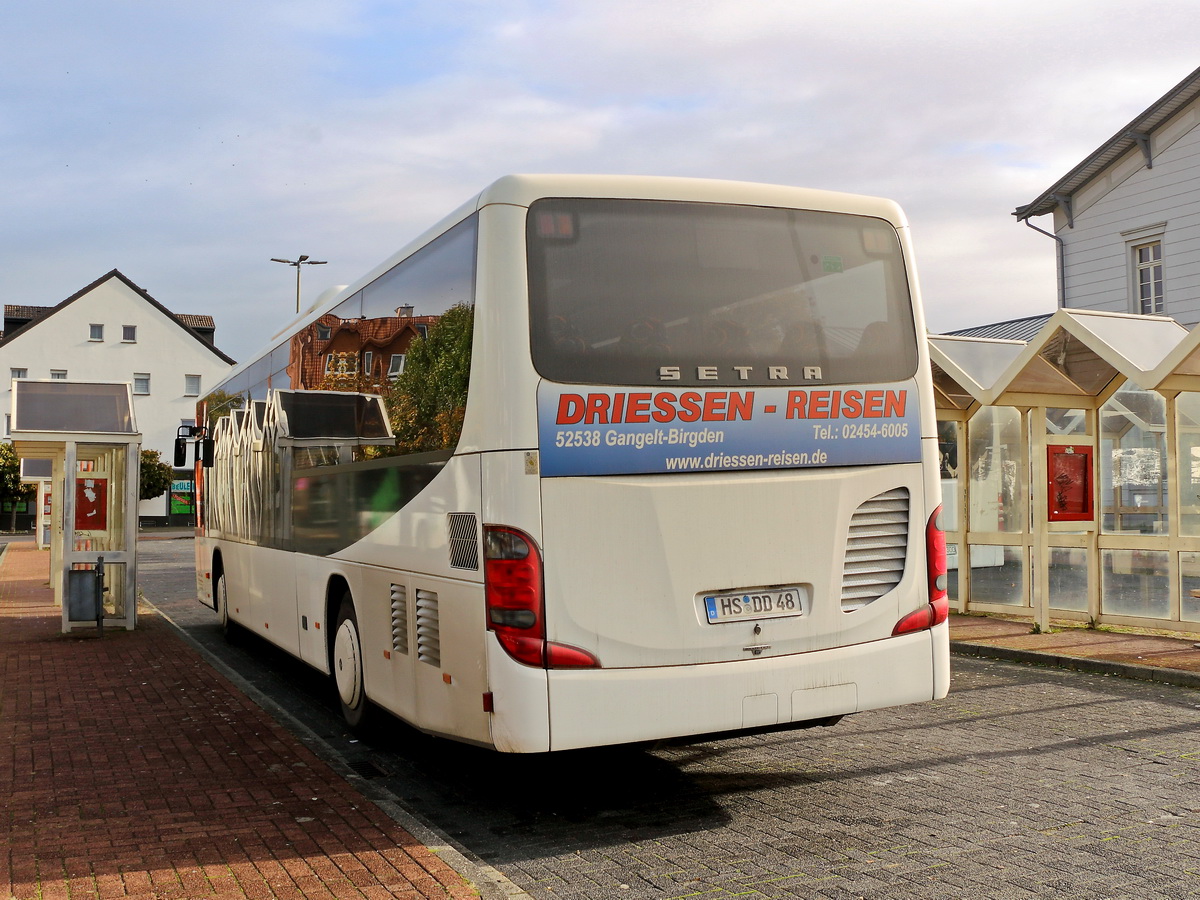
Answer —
(207, 447)
(180, 452)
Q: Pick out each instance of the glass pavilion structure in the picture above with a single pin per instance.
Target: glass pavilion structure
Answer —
(1071, 470)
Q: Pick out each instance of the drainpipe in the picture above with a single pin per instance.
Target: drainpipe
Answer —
(1060, 254)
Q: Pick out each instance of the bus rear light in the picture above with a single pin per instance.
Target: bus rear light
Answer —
(524, 648)
(564, 656)
(935, 550)
(513, 618)
(938, 609)
(512, 577)
(512, 584)
(933, 613)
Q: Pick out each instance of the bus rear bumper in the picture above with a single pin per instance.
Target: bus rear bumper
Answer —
(596, 707)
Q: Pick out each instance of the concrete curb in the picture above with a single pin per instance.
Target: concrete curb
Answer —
(1176, 677)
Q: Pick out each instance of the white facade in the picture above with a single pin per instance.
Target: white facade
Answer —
(1127, 219)
(114, 331)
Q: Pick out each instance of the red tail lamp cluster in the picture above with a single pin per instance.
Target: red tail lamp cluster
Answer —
(516, 609)
(938, 609)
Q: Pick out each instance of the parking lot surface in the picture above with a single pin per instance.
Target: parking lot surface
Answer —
(1024, 781)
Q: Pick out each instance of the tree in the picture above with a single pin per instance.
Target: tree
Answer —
(11, 489)
(154, 475)
(428, 400)
(221, 403)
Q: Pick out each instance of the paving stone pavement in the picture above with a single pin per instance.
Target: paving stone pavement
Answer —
(131, 769)
(1131, 653)
(1025, 781)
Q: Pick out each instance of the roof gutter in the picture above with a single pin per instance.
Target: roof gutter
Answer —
(1134, 135)
(1060, 261)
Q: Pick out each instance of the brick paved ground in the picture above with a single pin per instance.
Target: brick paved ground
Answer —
(1174, 651)
(132, 769)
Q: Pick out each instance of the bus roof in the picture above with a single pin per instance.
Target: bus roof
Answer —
(522, 190)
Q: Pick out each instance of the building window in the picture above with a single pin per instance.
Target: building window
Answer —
(96, 332)
(129, 334)
(1148, 278)
(58, 374)
(141, 382)
(341, 364)
(324, 332)
(191, 385)
(18, 373)
(396, 365)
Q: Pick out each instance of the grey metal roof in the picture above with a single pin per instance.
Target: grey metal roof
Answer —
(1115, 147)
(1013, 330)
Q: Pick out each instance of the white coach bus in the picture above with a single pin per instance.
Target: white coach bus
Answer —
(597, 460)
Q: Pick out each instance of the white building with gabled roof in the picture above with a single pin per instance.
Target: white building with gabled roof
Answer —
(112, 330)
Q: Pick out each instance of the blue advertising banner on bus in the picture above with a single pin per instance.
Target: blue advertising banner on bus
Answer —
(624, 431)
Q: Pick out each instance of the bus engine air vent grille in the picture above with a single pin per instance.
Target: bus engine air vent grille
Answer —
(464, 541)
(429, 632)
(876, 549)
(399, 619)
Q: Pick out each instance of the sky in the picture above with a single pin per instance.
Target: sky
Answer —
(188, 143)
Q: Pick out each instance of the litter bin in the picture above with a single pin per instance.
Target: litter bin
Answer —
(85, 594)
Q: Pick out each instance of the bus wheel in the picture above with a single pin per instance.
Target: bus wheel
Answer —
(348, 667)
(221, 596)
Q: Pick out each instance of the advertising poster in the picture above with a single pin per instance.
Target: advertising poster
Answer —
(91, 504)
(181, 497)
(584, 430)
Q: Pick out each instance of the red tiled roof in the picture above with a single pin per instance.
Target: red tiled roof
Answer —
(195, 321)
(16, 311)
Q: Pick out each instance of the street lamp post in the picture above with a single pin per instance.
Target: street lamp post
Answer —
(302, 261)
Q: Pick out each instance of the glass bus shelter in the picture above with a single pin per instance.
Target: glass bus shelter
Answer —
(1071, 470)
(86, 432)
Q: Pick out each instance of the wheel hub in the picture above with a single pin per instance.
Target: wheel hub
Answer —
(347, 667)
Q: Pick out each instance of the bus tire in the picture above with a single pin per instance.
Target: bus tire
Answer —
(347, 666)
(229, 628)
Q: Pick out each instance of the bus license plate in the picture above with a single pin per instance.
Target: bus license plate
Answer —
(772, 603)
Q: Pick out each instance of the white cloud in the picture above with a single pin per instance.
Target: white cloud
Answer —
(188, 143)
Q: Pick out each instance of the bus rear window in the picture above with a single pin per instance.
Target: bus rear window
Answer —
(666, 292)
